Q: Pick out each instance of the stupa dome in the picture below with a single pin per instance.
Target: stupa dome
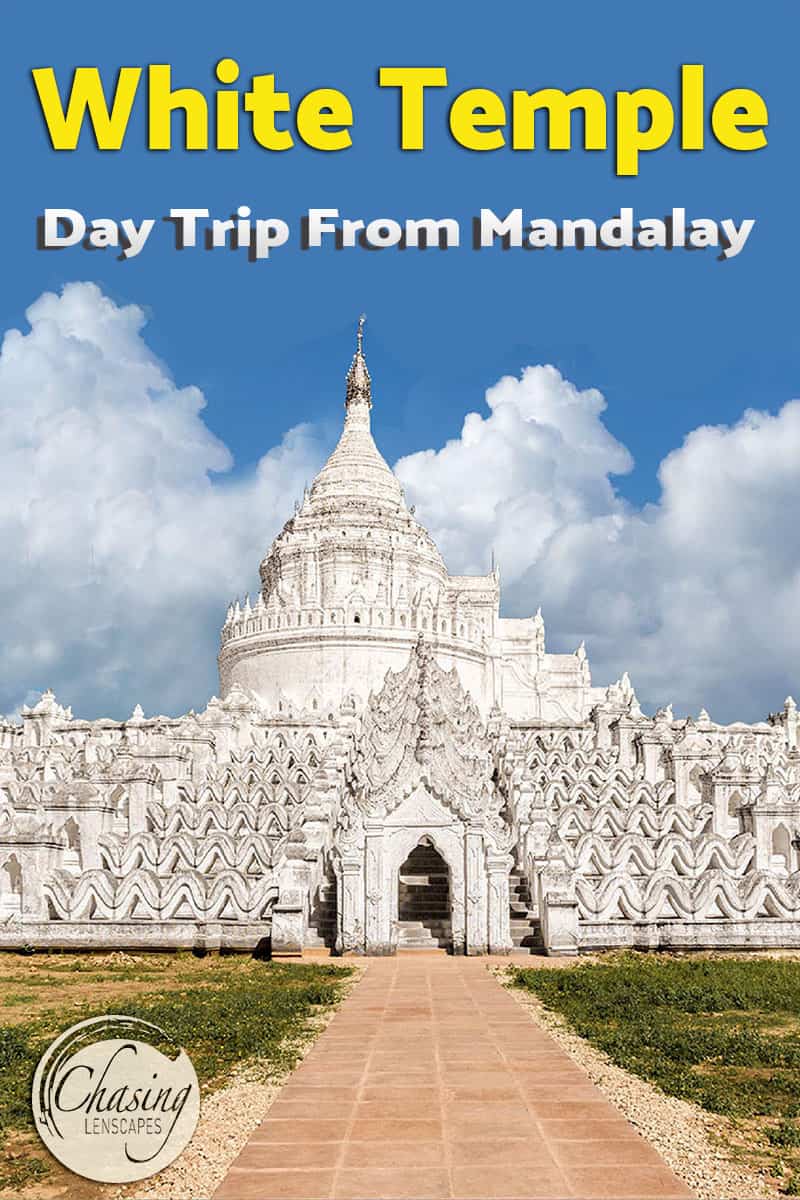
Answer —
(350, 582)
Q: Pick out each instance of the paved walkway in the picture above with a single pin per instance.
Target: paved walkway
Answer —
(431, 1081)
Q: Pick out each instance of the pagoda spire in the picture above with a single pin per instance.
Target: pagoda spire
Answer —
(359, 383)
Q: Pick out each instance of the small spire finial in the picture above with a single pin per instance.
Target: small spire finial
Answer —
(359, 384)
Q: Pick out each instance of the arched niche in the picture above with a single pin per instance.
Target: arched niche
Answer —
(781, 847)
(121, 802)
(735, 801)
(71, 833)
(10, 886)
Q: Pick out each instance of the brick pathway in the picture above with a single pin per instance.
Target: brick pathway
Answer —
(431, 1081)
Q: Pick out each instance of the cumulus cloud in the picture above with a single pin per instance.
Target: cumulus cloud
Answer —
(539, 462)
(698, 595)
(121, 538)
(123, 532)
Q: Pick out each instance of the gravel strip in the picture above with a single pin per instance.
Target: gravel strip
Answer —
(682, 1133)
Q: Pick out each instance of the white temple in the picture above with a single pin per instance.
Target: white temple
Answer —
(392, 764)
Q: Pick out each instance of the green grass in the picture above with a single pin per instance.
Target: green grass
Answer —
(785, 1134)
(222, 1011)
(22, 1172)
(722, 1032)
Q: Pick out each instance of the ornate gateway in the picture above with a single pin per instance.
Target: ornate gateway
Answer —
(421, 772)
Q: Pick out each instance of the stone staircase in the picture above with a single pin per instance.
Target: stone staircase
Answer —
(526, 932)
(424, 902)
(423, 935)
(322, 924)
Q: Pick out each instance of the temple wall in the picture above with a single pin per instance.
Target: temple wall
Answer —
(330, 668)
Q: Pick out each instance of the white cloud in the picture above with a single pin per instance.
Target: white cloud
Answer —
(121, 540)
(698, 596)
(538, 463)
(122, 534)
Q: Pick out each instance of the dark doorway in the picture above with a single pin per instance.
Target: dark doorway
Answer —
(423, 902)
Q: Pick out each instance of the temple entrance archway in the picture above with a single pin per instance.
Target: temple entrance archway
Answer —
(423, 900)
(374, 854)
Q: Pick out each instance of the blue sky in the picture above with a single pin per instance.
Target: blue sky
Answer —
(672, 340)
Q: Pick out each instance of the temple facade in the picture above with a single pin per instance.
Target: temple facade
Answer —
(393, 764)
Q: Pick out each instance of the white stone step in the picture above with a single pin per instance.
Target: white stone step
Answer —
(313, 941)
(413, 935)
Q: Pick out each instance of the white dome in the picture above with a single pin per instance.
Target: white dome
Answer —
(350, 582)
